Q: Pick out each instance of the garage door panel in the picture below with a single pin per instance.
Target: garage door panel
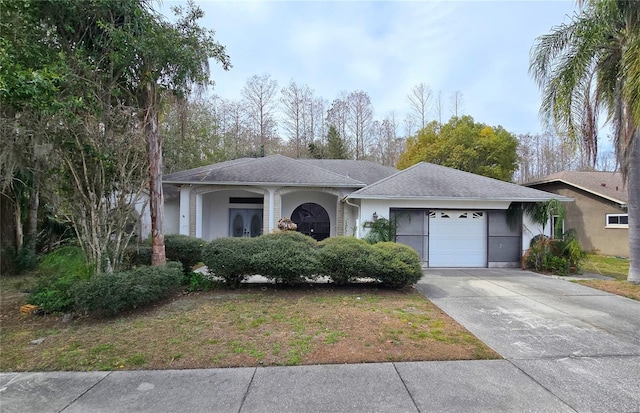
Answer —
(457, 239)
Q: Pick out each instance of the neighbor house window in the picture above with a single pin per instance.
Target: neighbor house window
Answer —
(617, 221)
(557, 226)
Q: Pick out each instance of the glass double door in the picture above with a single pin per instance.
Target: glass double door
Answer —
(245, 222)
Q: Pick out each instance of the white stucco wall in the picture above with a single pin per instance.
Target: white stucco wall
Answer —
(530, 230)
(215, 211)
(172, 216)
(352, 219)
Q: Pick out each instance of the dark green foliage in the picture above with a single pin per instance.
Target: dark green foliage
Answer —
(137, 255)
(381, 230)
(230, 258)
(286, 257)
(196, 281)
(292, 258)
(183, 248)
(558, 256)
(395, 265)
(22, 260)
(109, 294)
(344, 259)
(59, 271)
(336, 146)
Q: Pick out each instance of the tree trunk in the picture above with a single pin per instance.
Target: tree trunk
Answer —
(156, 205)
(19, 234)
(7, 233)
(32, 220)
(633, 208)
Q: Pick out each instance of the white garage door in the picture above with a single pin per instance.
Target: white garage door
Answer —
(457, 239)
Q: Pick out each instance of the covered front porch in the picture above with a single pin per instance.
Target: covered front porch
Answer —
(215, 211)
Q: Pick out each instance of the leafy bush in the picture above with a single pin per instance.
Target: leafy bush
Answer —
(286, 257)
(557, 265)
(344, 259)
(395, 265)
(199, 282)
(21, 260)
(59, 271)
(185, 249)
(380, 230)
(137, 255)
(557, 256)
(109, 294)
(230, 258)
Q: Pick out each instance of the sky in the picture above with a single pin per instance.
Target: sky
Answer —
(480, 48)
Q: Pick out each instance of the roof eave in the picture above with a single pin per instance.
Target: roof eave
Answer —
(245, 183)
(591, 191)
(439, 198)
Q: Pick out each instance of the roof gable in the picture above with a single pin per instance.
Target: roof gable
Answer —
(608, 185)
(430, 181)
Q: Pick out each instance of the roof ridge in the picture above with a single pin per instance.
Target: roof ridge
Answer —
(383, 180)
(324, 170)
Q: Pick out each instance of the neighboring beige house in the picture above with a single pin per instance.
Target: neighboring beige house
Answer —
(451, 218)
(599, 213)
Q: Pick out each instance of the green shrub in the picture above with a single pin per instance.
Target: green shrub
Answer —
(344, 259)
(380, 230)
(395, 265)
(137, 255)
(21, 260)
(230, 259)
(557, 265)
(185, 249)
(556, 256)
(286, 257)
(58, 272)
(199, 282)
(109, 294)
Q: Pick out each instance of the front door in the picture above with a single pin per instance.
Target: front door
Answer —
(245, 222)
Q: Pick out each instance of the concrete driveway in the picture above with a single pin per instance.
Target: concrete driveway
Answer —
(581, 344)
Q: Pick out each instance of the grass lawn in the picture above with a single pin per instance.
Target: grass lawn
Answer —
(255, 325)
(606, 265)
(613, 267)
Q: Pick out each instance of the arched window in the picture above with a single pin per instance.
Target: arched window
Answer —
(312, 220)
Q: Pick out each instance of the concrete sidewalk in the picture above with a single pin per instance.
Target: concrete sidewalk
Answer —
(449, 386)
(566, 347)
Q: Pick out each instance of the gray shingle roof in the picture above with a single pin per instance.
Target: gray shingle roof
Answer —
(273, 169)
(430, 181)
(363, 171)
(608, 185)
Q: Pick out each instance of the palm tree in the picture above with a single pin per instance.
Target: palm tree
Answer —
(593, 64)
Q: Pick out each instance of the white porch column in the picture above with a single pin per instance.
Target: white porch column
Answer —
(185, 193)
(272, 209)
(198, 215)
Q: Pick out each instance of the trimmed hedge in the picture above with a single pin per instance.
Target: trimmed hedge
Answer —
(344, 259)
(230, 258)
(109, 294)
(292, 258)
(183, 248)
(395, 265)
(137, 255)
(286, 257)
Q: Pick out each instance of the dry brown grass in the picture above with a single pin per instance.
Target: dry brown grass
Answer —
(622, 288)
(256, 325)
